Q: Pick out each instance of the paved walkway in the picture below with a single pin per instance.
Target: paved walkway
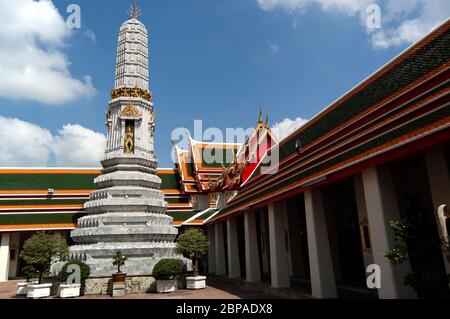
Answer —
(8, 291)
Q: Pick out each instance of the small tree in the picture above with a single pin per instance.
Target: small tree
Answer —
(423, 280)
(192, 244)
(166, 269)
(119, 260)
(41, 250)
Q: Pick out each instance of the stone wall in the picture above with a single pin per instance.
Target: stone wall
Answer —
(133, 285)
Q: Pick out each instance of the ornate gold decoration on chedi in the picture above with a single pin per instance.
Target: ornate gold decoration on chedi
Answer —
(132, 92)
(129, 142)
(130, 111)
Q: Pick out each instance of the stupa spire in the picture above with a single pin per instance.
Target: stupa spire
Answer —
(134, 11)
(132, 53)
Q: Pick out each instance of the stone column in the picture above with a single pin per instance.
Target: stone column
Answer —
(253, 271)
(4, 256)
(382, 207)
(202, 202)
(220, 250)
(279, 263)
(234, 268)
(439, 181)
(323, 284)
(14, 244)
(211, 250)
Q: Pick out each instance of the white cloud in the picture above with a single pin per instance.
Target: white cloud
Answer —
(33, 67)
(23, 143)
(403, 26)
(403, 22)
(78, 146)
(286, 127)
(274, 48)
(347, 6)
(91, 35)
(26, 144)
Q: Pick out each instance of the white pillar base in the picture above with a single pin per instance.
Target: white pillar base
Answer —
(211, 250)
(323, 284)
(4, 256)
(220, 250)
(279, 263)
(252, 268)
(234, 266)
(382, 207)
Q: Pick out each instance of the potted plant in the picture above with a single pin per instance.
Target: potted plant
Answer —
(72, 277)
(118, 261)
(39, 252)
(164, 272)
(22, 287)
(426, 280)
(193, 244)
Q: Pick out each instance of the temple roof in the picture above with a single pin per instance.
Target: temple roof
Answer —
(53, 198)
(400, 109)
(204, 164)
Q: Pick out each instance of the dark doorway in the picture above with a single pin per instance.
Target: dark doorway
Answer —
(424, 247)
(298, 238)
(241, 244)
(300, 228)
(225, 245)
(262, 232)
(344, 234)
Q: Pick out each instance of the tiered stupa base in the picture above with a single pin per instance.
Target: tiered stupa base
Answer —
(126, 213)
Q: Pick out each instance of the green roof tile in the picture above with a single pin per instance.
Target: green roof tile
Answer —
(25, 219)
(433, 55)
(46, 181)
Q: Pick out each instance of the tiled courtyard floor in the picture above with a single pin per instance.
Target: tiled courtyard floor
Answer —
(8, 291)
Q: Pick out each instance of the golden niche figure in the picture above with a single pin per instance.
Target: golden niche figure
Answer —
(129, 141)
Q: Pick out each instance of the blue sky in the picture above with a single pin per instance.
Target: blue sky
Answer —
(215, 61)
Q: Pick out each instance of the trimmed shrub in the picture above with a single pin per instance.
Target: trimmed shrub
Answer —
(84, 271)
(167, 269)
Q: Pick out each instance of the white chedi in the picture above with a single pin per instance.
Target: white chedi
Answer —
(127, 211)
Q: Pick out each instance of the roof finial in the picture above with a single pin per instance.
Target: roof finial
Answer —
(134, 10)
(267, 121)
(260, 120)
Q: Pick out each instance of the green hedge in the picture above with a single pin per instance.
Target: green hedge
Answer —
(84, 270)
(167, 268)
